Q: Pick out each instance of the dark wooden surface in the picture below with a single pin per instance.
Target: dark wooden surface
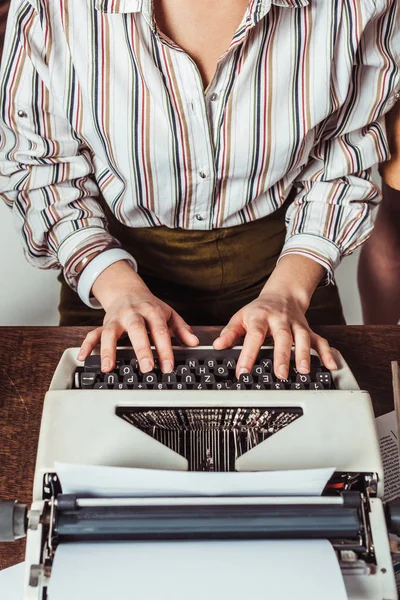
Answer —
(29, 355)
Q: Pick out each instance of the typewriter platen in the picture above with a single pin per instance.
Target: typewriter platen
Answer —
(213, 428)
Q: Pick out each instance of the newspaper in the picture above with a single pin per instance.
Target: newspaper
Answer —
(388, 440)
(388, 431)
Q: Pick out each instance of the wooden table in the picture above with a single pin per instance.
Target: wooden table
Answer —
(29, 355)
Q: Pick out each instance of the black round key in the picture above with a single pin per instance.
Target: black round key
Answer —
(139, 386)
(278, 385)
(120, 386)
(316, 385)
(325, 378)
(285, 381)
(169, 378)
(134, 363)
(238, 385)
(100, 385)
(266, 363)
(130, 379)
(207, 379)
(258, 370)
(246, 378)
(202, 370)
(297, 386)
(211, 363)
(221, 371)
(192, 363)
(200, 386)
(266, 379)
(110, 378)
(182, 370)
(87, 380)
(126, 370)
(219, 385)
(303, 378)
(258, 386)
(93, 363)
(149, 378)
(160, 386)
(179, 386)
(229, 362)
(189, 378)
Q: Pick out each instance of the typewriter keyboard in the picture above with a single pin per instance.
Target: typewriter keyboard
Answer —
(199, 369)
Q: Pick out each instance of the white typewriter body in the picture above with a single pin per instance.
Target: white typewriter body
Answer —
(337, 428)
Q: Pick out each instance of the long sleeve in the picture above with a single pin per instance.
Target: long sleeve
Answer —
(331, 213)
(45, 168)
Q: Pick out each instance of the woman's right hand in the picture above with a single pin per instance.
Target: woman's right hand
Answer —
(131, 307)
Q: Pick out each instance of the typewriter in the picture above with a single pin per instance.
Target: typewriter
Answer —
(201, 418)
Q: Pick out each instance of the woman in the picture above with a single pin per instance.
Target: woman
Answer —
(232, 143)
(379, 265)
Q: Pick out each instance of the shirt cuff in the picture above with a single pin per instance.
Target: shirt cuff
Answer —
(320, 249)
(80, 244)
(96, 266)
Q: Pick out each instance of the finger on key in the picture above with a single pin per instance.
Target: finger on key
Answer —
(302, 344)
(140, 343)
(253, 341)
(182, 330)
(283, 342)
(230, 334)
(89, 343)
(108, 346)
(162, 340)
(321, 345)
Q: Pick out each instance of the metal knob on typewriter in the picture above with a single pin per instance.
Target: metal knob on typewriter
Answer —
(392, 510)
(13, 520)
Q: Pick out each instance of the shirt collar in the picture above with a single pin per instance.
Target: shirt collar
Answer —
(130, 6)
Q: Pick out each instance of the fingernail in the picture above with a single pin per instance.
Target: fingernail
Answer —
(332, 364)
(167, 366)
(283, 371)
(105, 364)
(304, 365)
(80, 356)
(243, 370)
(146, 365)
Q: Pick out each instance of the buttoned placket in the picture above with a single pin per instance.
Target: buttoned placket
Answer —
(207, 107)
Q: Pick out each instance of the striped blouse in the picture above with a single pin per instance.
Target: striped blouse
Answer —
(94, 98)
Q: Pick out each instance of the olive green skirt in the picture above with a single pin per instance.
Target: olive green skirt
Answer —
(206, 276)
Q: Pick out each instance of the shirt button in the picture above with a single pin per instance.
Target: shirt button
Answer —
(202, 174)
(199, 217)
(22, 113)
(213, 97)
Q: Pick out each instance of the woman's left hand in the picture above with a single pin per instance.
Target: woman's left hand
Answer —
(279, 311)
